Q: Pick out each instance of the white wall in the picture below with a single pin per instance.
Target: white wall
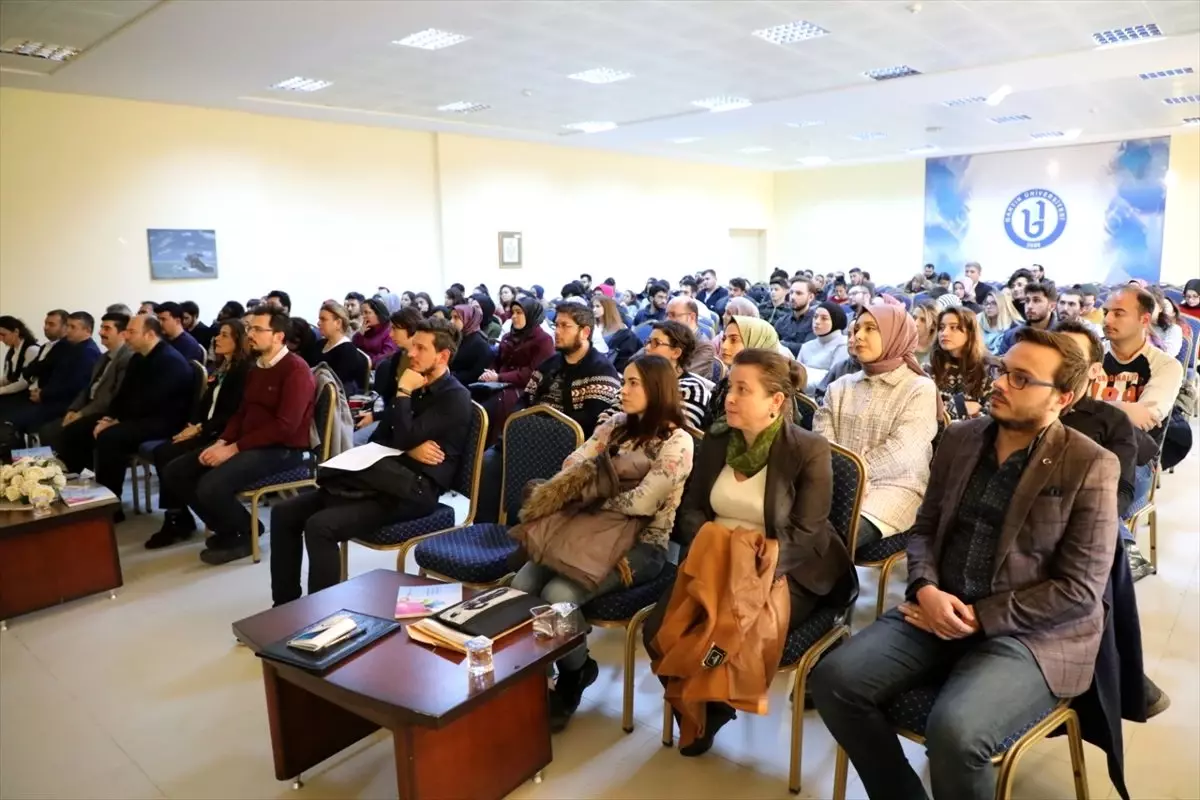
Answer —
(1181, 221)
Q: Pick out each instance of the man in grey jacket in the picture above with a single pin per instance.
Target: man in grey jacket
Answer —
(106, 379)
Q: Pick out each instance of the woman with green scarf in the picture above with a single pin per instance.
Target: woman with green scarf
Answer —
(765, 473)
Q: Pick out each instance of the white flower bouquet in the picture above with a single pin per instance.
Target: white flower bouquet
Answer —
(33, 482)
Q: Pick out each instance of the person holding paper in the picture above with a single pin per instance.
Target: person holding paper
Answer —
(429, 422)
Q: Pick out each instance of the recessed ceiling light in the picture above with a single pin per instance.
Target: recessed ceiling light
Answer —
(1165, 73)
(1047, 135)
(686, 139)
(591, 127)
(464, 107)
(891, 73)
(814, 161)
(431, 39)
(44, 50)
(812, 123)
(997, 97)
(925, 148)
(755, 149)
(601, 75)
(1011, 118)
(722, 103)
(1134, 33)
(964, 101)
(867, 136)
(1182, 100)
(299, 84)
(1191, 122)
(791, 33)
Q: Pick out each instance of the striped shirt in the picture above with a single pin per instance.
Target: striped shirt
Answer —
(694, 392)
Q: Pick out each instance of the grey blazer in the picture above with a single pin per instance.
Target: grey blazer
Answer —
(1055, 550)
(108, 382)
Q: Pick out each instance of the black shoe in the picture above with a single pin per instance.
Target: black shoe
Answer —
(1157, 700)
(176, 528)
(716, 716)
(568, 691)
(1138, 564)
(118, 516)
(232, 551)
(220, 541)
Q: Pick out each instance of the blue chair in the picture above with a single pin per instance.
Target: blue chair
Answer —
(536, 442)
(144, 457)
(807, 409)
(402, 536)
(826, 627)
(884, 554)
(906, 299)
(909, 713)
(1193, 354)
(920, 297)
(643, 331)
(1174, 295)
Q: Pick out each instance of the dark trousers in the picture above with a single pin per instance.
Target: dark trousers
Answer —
(212, 491)
(108, 454)
(868, 533)
(29, 416)
(319, 521)
(990, 688)
(487, 507)
(168, 498)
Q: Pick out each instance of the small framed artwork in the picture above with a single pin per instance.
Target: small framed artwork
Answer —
(510, 250)
(182, 253)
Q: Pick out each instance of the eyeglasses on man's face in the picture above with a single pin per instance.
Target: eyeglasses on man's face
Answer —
(1017, 379)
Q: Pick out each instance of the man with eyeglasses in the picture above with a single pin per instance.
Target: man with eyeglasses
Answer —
(1008, 562)
(686, 312)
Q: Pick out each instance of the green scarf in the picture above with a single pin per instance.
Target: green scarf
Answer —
(749, 460)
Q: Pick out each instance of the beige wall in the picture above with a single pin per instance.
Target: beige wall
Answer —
(1181, 223)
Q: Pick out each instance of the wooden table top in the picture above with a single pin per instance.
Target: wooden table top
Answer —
(24, 521)
(396, 675)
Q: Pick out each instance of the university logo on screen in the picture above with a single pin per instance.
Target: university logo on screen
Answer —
(1035, 218)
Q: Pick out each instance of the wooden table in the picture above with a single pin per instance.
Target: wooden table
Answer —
(67, 554)
(452, 740)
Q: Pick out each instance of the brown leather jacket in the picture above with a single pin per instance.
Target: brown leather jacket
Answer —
(725, 626)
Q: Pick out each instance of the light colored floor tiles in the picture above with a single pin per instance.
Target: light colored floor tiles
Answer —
(147, 696)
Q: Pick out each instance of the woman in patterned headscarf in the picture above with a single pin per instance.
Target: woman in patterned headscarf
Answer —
(474, 355)
(742, 333)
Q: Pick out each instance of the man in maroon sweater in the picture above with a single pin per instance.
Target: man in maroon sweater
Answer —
(268, 434)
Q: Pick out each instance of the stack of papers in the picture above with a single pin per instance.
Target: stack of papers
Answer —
(432, 632)
(328, 633)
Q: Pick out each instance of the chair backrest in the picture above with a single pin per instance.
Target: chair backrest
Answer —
(536, 442)
(366, 383)
(1184, 356)
(706, 326)
(905, 299)
(323, 413)
(849, 485)
(806, 407)
(643, 332)
(1174, 295)
(466, 482)
(718, 371)
(200, 378)
(1193, 326)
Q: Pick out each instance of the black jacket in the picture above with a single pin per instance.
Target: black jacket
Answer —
(622, 346)
(794, 332)
(473, 357)
(347, 363)
(716, 301)
(71, 373)
(203, 335)
(228, 400)
(160, 385)
(1109, 427)
(387, 376)
(440, 412)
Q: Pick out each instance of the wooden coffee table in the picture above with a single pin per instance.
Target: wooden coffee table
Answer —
(66, 554)
(452, 740)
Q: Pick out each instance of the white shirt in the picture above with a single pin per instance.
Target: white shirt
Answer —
(739, 505)
(330, 345)
(283, 351)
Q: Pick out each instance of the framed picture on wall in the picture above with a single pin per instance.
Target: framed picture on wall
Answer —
(510, 250)
(182, 253)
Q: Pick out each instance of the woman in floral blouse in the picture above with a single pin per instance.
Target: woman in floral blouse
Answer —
(959, 364)
(652, 422)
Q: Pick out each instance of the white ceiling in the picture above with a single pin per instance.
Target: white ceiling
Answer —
(227, 53)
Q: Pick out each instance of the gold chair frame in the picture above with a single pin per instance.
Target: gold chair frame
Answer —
(1149, 513)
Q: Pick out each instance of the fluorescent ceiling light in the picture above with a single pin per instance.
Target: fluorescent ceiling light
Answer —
(891, 73)
(1047, 135)
(812, 123)
(1182, 100)
(868, 136)
(1008, 119)
(1165, 73)
(464, 107)
(43, 50)
(722, 103)
(925, 148)
(814, 161)
(964, 101)
(791, 33)
(997, 97)
(591, 127)
(299, 84)
(1191, 122)
(1134, 33)
(431, 39)
(686, 139)
(601, 75)
(755, 149)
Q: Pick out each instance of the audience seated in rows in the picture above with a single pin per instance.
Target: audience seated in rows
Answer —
(56, 380)
(170, 316)
(828, 348)
(336, 348)
(375, 337)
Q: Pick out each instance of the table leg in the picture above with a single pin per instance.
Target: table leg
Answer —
(486, 753)
(306, 729)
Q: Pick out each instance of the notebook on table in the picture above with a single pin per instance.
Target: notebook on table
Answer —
(325, 643)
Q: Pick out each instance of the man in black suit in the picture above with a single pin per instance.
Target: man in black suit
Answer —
(712, 295)
(73, 359)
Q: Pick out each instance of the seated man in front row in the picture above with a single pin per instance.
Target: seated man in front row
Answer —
(430, 419)
(1011, 552)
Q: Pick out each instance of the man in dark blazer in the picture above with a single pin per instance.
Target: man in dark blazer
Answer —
(1008, 562)
(106, 378)
(75, 355)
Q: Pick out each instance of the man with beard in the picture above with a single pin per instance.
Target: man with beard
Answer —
(796, 328)
(577, 380)
(859, 297)
(1039, 313)
(1010, 555)
(353, 304)
(1070, 309)
(656, 309)
(429, 419)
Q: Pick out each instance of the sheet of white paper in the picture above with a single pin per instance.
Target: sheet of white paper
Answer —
(815, 375)
(361, 457)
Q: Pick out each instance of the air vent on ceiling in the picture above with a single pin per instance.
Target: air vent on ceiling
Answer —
(868, 136)
(925, 148)
(722, 103)
(1191, 121)
(590, 127)
(1166, 73)
(42, 50)
(964, 101)
(464, 107)
(1182, 100)
(431, 39)
(601, 75)
(1046, 135)
(1133, 33)
(891, 73)
(791, 33)
(300, 84)
(1008, 119)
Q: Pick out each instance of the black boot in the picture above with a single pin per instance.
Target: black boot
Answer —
(716, 716)
(568, 691)
(177, 527)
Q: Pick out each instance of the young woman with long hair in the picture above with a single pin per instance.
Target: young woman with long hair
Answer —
(999, 315)
(622, 343)
(959, 364)
(925, 314)
(508, 296)
(22, 350)
(424, 303)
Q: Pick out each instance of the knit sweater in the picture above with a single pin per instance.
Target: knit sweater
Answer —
(582, 391)
(824, 351)
(277, 407)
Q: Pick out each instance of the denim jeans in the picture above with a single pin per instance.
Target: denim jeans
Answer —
(363, 435)
(645, 562)
(990, 688)
(1142, 477)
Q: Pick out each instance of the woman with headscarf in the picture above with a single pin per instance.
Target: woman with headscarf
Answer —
(830, 346)
(1190, 307)
(375, 338)
(525, 347)
(742, 333)
(474, 354)
(489, 324)
(888, 415)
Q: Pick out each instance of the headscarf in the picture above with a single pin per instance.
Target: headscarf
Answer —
(471, 317)
(756, 333)
(948, 301)
(607, 290)
(1191, 286)
(391, 301)
(534, 314)
(486, 305)
(899, 333)
(837, 314)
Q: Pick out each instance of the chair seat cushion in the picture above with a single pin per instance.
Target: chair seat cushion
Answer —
(304, 472)
(624, 603)
(400, 532)
(911, 709)
(146, 449)
(474, 554)
(878, 551)
(801, 638)
(1137, 505)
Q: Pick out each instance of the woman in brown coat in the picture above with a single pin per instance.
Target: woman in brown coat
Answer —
(766, 473)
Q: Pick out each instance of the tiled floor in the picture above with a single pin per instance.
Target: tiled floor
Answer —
(147, 696)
